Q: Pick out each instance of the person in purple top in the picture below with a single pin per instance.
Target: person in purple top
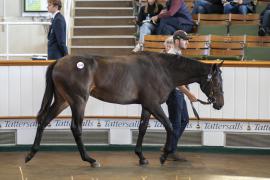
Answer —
(176, 16)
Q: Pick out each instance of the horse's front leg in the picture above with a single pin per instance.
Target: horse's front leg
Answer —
(145, 116)
(159, 114)
(76, 128)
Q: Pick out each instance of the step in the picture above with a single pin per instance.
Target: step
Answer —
(103, 41)
(102, 50)
(99, 21)
(103, 30)
(107, 3)
(103, 11)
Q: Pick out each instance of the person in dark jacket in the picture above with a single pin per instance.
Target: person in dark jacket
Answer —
(147, 26)
(207, 7)
(57, 33)
(176, 16)
(238, 6)
(265, 22)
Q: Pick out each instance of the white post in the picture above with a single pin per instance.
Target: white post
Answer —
(4, 17)
(4, 10)
(7, 41)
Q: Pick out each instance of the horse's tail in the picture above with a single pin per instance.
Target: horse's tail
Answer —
(48, 95)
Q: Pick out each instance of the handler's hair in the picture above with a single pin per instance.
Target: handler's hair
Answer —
(57, 3)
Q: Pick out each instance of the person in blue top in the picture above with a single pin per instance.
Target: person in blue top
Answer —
(176, 16)
(147, 26)
(57, 33)
(207, 7)
(238, 6)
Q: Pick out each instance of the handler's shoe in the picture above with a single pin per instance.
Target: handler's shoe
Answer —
(175, 157)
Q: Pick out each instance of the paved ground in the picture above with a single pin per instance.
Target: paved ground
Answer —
(124, 166)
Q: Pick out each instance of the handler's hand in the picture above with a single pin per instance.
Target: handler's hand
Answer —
(191, 97)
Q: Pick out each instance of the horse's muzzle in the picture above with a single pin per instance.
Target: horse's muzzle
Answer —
(217, 106)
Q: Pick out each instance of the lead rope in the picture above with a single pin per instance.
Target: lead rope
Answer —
(195, 111)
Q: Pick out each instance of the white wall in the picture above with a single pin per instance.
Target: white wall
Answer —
(246, 92)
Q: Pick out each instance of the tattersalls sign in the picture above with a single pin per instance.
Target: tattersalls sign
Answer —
(94, 123)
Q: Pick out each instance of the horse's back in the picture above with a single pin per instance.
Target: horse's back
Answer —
(115, 79)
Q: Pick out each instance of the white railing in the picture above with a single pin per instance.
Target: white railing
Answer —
(68, 16)
(7, 24)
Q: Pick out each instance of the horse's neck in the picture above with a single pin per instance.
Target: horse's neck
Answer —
(189, 71)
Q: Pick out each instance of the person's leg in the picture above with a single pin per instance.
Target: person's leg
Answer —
(214, 9)
(228, 8)
(179, 119)
(185, 27)
(243, 9)
(266, 21)
(145, 29)
(166, 26)
(199, 6)
(174, 116)
(184, 117)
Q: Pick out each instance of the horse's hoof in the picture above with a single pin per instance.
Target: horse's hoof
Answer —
(162, 159)
(144, 162)
(95, 165)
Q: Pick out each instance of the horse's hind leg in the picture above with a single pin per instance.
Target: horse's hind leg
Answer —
(161, 117)
(145, 116)
(78, 108)
(57, 107)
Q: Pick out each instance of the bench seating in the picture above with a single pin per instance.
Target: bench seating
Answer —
(217, 47)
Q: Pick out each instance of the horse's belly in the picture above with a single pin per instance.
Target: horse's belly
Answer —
(113, 97)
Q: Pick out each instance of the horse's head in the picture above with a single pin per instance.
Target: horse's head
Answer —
(212, 86)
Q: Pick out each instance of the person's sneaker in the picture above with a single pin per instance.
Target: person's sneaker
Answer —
(137, 48)
(261, 32)
(175, 157)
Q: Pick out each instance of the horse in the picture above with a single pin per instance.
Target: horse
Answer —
(145, 78)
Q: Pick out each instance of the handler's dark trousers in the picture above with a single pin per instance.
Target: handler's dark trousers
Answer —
(178, 115)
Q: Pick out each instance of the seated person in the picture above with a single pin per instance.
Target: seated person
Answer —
(265, 22)
(147, 27)
(207, 7)
(176, 16)
(238, 6)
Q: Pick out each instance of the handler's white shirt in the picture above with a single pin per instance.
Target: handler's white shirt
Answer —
(175, 51)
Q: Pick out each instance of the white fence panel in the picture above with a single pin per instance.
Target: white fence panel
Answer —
(246, 93)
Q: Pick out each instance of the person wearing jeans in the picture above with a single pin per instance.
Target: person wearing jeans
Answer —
(207, 7)
(238, 6)
(147, 27)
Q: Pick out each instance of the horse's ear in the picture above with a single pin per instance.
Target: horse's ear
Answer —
(221, 63)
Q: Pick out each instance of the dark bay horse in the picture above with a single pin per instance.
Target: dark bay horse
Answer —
(144, 78)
